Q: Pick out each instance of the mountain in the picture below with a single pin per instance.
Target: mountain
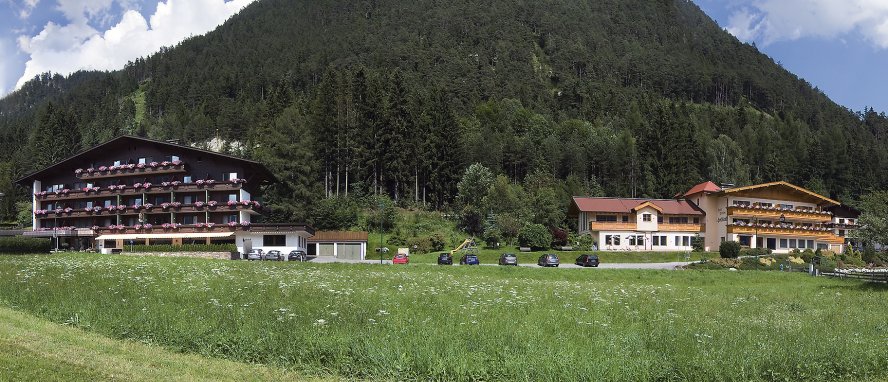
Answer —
(635, 98)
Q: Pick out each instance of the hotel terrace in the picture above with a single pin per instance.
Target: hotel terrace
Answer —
(778, 216)
(134, 190)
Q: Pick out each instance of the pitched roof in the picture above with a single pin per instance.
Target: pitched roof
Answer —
(708, 186)
(786, 185)
(258, 168)
(628, 205)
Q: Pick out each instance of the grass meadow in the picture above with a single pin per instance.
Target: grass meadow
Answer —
(468, 323)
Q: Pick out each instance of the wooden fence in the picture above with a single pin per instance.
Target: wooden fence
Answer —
(877, 277)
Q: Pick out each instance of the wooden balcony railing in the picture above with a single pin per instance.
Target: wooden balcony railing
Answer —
(124, 171)
(130, 191)
(612, 226)
(776, 213)
(79, 213)
(822, 234)
(690, 227)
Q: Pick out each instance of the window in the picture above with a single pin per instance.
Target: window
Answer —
(686, 241)
(741, 203)
(696, 220)
(784, 243)
(186, 179)
(822, 246)
(229, 218)
(659, 241)
(117, 163)
(785, 206)
(810, 243)
(678, 220)
(229, 176)
(625, 218)
(646, 217)
(632, 240)
(605, 218)
(188, 219)
(174, 158)
(841, 221)
(107, 203)
(792, 243)
(274, 240)
(745, 240)
(660, 219)
(616, 239)
(841, 232)
(802, 243)
(142, 161)
(232, 197)
(188, 199)
(137, 201)
(608, 239)
(766, 205)
(639, 240)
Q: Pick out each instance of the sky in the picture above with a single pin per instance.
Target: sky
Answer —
(839, 46)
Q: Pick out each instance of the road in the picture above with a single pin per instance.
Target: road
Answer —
(668, 266)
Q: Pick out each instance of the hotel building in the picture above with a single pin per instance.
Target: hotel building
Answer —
(133, 190)
(778, 216)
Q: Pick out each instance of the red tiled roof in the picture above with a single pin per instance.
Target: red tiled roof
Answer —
(703, 187)
(626, 205)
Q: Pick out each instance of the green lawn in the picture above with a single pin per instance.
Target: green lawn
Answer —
(466, 323)
(34, 349)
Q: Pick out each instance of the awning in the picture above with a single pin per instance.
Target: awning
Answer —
(134, 236)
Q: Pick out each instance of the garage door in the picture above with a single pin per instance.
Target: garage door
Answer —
(325, 249)
(349, 251)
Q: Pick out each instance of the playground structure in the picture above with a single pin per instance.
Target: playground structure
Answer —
(468, 245)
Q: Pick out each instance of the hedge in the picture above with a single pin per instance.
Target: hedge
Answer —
(181, 248)
(21, 244)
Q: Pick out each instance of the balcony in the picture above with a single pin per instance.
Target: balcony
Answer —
(775, 213)
(152, 210)
(820, 233)
(163, 188)
(689, 227)
(169, 229)
(153, 168)
(612, 226)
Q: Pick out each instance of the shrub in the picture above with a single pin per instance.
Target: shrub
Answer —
(729, 250)
(559, 236)
(755, 252)
(535, 236)
(20, 244)
(807, 255)
(698, 244)
(726, 262)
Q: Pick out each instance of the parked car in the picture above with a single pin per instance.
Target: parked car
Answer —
(548, 260)
(445, 259)
(297, 256)
(274, 255)
(469, 259)
(254, 254)
(508, 259)
(400, 259)
(587, 261)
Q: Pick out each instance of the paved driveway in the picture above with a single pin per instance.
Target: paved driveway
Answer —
(672, 265)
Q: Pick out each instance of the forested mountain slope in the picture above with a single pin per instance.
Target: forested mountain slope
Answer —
(628, 98)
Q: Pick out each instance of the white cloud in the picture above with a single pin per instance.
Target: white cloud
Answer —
(770, 21)
(26, 8)
(5, 81)
(67, 48)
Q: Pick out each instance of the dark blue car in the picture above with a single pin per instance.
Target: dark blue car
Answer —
(469, 259)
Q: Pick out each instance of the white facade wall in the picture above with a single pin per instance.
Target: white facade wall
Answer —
(293, 241)
(35, 223)
(674, 241)
(649, 226)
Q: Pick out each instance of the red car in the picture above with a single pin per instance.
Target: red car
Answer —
(400, 259)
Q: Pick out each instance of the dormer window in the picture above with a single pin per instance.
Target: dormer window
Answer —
(646, 217)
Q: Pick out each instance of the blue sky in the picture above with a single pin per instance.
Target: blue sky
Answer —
(839, 46)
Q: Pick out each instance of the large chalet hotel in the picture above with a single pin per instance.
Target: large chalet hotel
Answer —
(134, 190)
(778, 216)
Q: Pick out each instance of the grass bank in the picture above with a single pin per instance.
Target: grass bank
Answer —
(469, 323)
(34, 349)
